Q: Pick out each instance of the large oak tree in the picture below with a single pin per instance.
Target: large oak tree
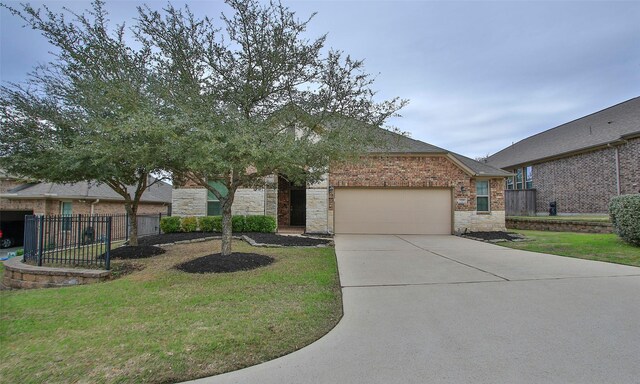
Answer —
(89, 114)
(249, 95)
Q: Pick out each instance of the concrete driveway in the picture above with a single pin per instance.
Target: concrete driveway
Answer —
(442, 309)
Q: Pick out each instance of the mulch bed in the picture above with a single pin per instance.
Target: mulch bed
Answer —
(261, 238)
(494, 236)
(167, 238)
(124, 268)
(286, 241)
(216, 263)
(139, 252)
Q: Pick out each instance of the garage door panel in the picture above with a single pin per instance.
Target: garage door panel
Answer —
(393, 211)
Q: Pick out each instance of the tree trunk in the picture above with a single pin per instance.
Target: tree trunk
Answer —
(227, 224)
(132, 211)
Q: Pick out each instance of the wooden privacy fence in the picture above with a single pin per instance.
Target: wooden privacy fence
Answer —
(520, 202)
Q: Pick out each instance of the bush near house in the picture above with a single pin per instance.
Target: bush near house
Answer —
(210, 223)
(240, 223)
(260, 224)
(170, 224)
(625, 217)
(237, 223)
(189, 224)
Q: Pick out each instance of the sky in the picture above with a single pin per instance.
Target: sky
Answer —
(479, 75)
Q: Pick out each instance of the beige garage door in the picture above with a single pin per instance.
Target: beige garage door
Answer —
(393, 211)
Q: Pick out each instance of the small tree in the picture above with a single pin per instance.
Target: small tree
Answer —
(87, 115)
(253, 98)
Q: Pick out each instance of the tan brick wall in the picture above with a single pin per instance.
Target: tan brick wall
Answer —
(415, 171)
(584, 183)
(424, 171)
(52, 207)
(113, 208)
(629, 155)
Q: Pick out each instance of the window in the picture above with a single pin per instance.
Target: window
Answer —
(66, 210)
(519, 178)
(528, 174)
(213, 205)
(509, 182)
(482, 196)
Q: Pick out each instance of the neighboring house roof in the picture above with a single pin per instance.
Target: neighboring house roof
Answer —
(597, 129)
(401, 144)
(160, 192)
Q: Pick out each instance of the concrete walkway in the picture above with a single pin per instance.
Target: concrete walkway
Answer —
(442, 309)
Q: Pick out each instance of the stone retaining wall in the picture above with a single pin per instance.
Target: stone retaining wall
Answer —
(559, 225)
(24, 276)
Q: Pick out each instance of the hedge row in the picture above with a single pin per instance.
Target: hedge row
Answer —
(625, 216)
(239, 223)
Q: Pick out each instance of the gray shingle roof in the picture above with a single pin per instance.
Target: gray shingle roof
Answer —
(599, 128)
(397, 143)
(157, 193)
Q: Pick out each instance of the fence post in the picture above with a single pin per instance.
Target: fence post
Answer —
(41, 241)
(79, 239)
(107, 258)
(159, 220)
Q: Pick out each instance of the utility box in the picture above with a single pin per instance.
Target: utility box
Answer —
(553, 208)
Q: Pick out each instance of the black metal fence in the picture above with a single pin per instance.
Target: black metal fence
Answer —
(80, 240)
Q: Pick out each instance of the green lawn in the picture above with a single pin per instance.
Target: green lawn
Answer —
(590, 246)
(161, 325)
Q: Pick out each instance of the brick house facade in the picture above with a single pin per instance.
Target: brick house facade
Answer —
(595, 178)
(85, 198)
(579, 165)
(413, 165)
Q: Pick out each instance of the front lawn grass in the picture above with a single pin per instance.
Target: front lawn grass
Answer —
(162, 325)
(590, 246)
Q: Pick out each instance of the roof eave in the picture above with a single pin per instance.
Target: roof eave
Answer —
(620, 141)
(50, 196)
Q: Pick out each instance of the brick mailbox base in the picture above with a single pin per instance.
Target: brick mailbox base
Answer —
(19, 275)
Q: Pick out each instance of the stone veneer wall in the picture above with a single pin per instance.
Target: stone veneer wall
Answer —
(19, 275)
(318, 207)
(473, 221)
(193, 202)
(424, 171)
(189, 202)
(248, 202)
(559, 225)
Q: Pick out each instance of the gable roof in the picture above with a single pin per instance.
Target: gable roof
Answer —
(396, 143)
(597, 129)
(160, 192)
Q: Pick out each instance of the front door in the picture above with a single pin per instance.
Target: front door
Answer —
(298, 207)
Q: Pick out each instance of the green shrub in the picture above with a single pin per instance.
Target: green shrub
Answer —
(189, 224)
(625, 216)
(20, 252)
(170, 224)
(210, 223)
(259, 223)
(237, 223)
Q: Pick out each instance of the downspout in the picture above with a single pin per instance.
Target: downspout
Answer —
(92, 205)
(617, 170)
